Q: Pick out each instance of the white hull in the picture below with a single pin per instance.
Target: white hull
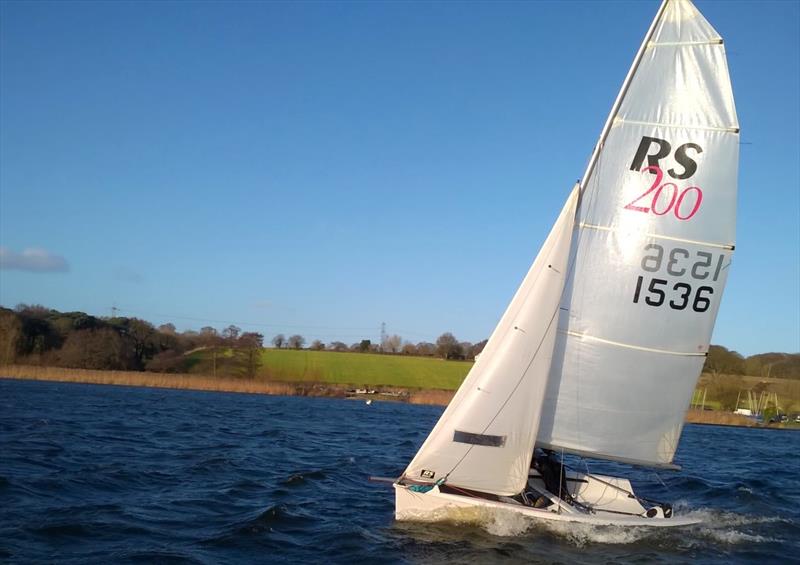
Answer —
(594, 490)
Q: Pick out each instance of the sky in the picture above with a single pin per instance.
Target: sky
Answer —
(323, 168)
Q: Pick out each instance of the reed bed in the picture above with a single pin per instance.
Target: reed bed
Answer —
(696, 416)
(160, 380)
(205, 382)
(431, 397)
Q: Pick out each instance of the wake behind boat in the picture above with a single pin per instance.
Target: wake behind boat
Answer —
(600, 349)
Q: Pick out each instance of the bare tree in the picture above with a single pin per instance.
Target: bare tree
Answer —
(189, 339)
(317, 345)
(447, 347)
(96, 349)
(337, 346)
(209, 337)
(426, 348)
(140, 334)
(231, 333)
(10, 332)
(477, 348)
(392, 343)
(251, 339)
(296, 341)
(168, 328)
(721, 360)
(408, 349)
(278, 341)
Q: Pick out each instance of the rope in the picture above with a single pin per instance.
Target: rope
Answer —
(562, 475)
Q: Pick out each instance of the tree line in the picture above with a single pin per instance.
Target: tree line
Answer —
(721, 361)
(446, 346)
(36, 335)
(41, 336)
(33, 334)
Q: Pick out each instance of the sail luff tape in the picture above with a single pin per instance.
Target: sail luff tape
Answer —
(729, 247)
(619, 120)
(630, 346)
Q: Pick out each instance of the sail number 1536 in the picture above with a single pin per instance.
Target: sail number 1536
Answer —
(680, 298)
(678, 262)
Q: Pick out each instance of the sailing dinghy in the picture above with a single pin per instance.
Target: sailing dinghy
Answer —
(600, 349)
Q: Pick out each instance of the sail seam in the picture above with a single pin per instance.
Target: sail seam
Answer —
(717, 41)
(731, 129)
(729, 247)
(629, 346)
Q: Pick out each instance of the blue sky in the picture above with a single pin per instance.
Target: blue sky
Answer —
(320, 168)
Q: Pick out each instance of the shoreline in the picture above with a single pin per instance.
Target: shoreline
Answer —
(184, 381)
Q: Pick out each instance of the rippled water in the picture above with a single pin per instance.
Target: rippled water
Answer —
(97, 474)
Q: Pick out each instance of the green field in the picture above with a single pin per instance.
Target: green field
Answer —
(362, 369)
(357, 369)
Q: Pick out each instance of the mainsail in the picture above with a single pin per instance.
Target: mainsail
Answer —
(651, 256)
(602, 345)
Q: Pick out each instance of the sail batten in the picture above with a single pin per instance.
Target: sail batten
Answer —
(717, 41)
(728, 129)
(729, 246)
(633, 346)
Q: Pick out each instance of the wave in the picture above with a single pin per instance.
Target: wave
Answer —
(302, 477)
(158, 556)
(74, 529)
(719, 527)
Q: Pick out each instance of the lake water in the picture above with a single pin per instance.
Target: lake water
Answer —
(99, 474)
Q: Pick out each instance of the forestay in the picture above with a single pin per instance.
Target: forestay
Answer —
(484, 439)
(651, 254)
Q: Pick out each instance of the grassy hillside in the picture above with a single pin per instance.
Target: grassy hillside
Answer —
(722, 391)
(362, 368)
(358, 369)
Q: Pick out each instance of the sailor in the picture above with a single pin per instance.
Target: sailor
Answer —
(553, 474)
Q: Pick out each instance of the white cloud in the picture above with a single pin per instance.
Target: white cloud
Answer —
(32, 259)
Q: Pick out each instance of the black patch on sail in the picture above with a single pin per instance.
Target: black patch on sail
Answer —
(426, 474)
(479, 439)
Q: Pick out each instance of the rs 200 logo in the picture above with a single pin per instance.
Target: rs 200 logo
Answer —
(665, 197)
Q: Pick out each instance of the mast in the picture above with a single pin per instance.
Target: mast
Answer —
(618, 102)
